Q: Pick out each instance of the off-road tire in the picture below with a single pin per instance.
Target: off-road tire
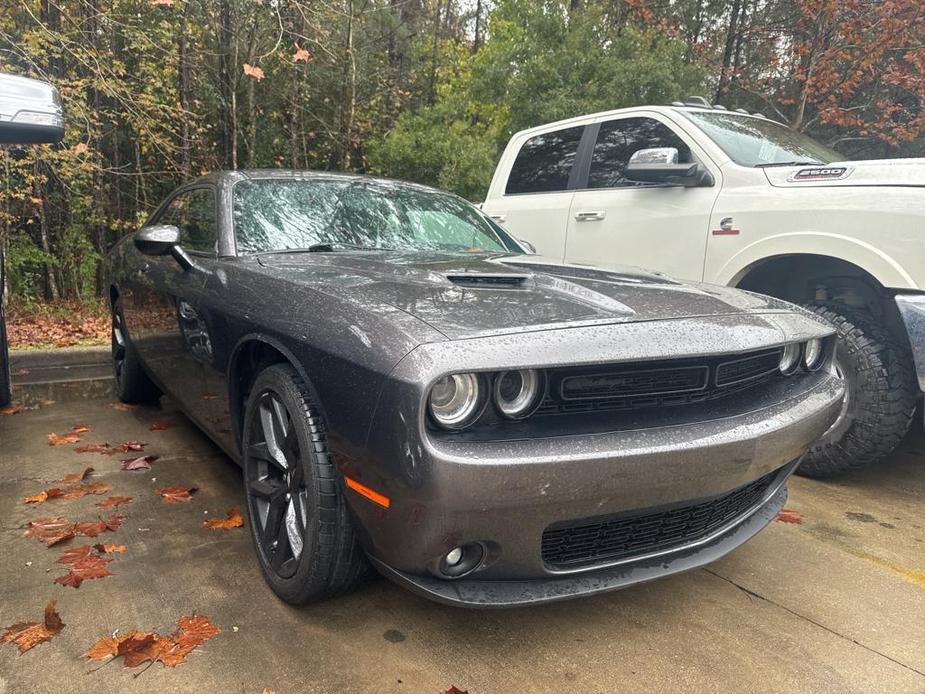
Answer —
(331, 560)
(881, 396)
(132, 383)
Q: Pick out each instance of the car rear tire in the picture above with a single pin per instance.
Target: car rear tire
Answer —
(302, 531)
(132, 383)
(880, 395)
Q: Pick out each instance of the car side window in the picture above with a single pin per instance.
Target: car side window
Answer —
(544, 162)
(618, 140)
(193, 213)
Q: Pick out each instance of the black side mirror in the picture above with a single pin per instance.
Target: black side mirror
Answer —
(30, 111)
(159, 239)
(660, 165)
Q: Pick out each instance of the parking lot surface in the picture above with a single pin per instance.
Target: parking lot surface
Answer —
(834, 603)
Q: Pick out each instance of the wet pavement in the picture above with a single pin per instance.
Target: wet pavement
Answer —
(835, 603)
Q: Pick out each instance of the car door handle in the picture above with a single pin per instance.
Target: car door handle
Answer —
(498, 217)
(590, 215)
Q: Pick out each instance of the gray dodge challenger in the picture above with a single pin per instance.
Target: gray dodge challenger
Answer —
(407, 387)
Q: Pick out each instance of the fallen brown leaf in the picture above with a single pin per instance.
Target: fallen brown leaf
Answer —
(109, 549)
(129, 446)
(113, 501)
(124, 406)
(84, 566)
(177, 494)
(10, 410)
(456, 690)
(80, 428)
(137, 647)
(35, 498)
(77, 476)
(93, 448)
(50, 530)
(142, 463)
(159, 425)
(74, 488)
(233, 520)
(81, 489)
(788, 515)
(28, 635)
(61, 439)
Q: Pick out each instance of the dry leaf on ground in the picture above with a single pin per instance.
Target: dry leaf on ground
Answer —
(177, 494)
(159, 425)
(61, 439)
(52, 530)
(113, 501)
(788, 515)
(11, 410)
(142, 463)
(109, 549)
(233, 520)
(27, 635)
(93, 448)
(74, 488)
(124, 406)
(77, 476)
(81, 428)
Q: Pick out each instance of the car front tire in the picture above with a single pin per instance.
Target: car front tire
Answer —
(880, 395)
(302, 532)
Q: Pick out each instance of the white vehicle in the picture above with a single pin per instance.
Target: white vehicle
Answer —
(699, 192)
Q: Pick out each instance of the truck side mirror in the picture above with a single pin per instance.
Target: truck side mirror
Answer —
(30, 111)
(660, 165)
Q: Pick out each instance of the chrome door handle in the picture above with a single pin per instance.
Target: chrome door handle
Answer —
(590, 215)
(498, 217)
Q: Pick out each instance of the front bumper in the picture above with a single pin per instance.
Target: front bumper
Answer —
(505, 494)
(912, 309)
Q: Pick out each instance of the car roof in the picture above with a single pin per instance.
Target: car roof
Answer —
(305, 175)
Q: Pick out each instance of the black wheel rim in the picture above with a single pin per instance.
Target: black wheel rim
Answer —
(118, 345)
(277, 495)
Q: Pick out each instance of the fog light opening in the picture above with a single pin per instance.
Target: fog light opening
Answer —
(462, 560)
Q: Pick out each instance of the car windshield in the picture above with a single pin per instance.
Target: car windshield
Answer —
(758, 142)
(351, 215)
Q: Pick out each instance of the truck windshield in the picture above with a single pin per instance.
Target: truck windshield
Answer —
(757, 142)
(358, 215)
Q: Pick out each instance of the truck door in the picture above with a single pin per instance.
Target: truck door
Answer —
(534, 205)
(616, 221)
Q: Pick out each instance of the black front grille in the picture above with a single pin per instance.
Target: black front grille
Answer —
(610, 538)
(653, 385)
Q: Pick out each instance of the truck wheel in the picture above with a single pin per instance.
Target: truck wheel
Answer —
(880, 394)
(305, 541)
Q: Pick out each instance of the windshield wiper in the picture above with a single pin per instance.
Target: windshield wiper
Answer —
(326, 247)
(787, 163)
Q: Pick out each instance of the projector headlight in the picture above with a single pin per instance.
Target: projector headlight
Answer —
(813, 354)
(790, 359)
(517, 393)
(454, 400)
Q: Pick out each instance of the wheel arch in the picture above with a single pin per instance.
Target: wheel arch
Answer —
(864, 256)
(252, 354)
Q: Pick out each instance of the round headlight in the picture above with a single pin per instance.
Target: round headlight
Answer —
(813, 354)
(454, 400)
(517, 392)
(790, 359)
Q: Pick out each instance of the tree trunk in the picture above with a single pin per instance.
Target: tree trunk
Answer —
(184, 93)
(348, 104)
(227, 66)
(477, 42)
(731, 35)
(38, 191)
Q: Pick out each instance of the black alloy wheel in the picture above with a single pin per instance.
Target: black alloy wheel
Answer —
(132, 383)
(298, 517)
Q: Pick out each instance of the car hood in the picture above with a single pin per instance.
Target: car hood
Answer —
(466, 295)
(873, 172)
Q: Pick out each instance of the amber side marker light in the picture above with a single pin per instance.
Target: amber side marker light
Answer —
(370, 494)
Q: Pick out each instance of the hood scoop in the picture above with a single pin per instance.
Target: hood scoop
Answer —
(489, 280)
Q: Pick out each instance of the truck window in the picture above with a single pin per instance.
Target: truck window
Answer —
(619, 139)
(544, 163)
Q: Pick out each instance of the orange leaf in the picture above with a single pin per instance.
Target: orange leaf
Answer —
(109, 549)
(137, 647)
(61, 439)
(77, 476)
(80, 428)
(84, 566)
(35, 498)
(142, 463)
(102, 649)
(93, 448)
(253, 71)
(124, 406)
(788, 515)
(301, 55)
(176, 494)
(49, 530)
(27, 635)
(159, 425)
(233, 520)
(11, 410)
(113, 501)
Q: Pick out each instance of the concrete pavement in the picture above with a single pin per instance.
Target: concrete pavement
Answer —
(835, 604)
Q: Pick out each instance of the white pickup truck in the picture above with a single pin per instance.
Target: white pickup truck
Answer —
(699, 192)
